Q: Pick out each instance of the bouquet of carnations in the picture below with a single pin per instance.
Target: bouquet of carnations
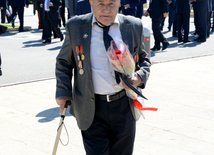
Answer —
(123, 63)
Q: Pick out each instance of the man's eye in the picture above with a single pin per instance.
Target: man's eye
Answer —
(101, 4)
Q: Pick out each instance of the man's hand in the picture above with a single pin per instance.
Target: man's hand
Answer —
(135, 81)
(26, 6)
(51, 4)
(2, 8)
(127, 6)
(165, 14)
(169, 2)
(146, 13)
(61, 102)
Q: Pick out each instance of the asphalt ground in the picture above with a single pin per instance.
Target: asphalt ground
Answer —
(180, 86)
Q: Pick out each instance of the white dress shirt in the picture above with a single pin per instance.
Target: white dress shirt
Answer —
(46, 5)
(103, 75)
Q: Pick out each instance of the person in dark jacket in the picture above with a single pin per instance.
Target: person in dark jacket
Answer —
(200, 13)
(209, 13)
(82, 7)
(129, 7)
(18, 6)
(140, 10)
(158, 10)
(51, 18)
(183, 18)
(3, 10)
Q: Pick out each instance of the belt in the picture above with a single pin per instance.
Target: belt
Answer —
(111, 98)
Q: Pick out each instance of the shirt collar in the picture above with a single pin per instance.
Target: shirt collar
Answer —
(116, 21)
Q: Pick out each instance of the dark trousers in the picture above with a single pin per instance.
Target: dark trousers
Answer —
(213, 20)
(162, 24)
(3, 15)
(20, 10)
(196, 22)
(171, 17)
(183, 22)
(158, 36)
(175, 25)
(202, 23)
(113, 129)
(208, 23)
(62, 13)
(49, 25)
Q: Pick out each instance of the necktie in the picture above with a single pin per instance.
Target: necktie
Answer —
(107, 41)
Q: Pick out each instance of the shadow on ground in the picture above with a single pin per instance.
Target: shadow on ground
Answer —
(50, 114)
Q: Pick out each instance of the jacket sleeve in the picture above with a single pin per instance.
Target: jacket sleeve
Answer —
(165, 6)
(134, 3)
(64, 67)
(144, 63)
(57, 4)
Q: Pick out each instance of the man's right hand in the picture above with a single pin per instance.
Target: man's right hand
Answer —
(146, 13)
(61, 102)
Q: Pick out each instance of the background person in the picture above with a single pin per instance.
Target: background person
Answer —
(18, 6)
(51, 19)
(158, 10)
(3, 10)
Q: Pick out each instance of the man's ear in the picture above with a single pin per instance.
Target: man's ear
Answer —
(119, 3)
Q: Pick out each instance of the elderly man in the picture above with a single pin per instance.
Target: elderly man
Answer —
(104, 113)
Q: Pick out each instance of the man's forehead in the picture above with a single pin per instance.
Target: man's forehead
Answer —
(105, 0)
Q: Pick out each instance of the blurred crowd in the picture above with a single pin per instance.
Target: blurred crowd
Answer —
(51, 16)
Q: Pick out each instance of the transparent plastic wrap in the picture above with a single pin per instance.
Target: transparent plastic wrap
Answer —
(123, 62)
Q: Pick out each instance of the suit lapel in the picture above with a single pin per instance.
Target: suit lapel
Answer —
(126, 32)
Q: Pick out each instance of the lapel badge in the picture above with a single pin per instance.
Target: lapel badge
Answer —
(85, 36)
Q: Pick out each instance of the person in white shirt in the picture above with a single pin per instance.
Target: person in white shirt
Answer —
(104, 113)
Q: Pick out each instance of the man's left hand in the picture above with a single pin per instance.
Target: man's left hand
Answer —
(135, 81)
(127, 6)
(51, 4)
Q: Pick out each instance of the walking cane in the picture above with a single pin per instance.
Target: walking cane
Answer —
(60, 127)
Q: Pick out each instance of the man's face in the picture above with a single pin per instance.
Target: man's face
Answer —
(105, 11)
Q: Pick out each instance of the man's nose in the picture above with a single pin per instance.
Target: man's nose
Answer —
(107, 7)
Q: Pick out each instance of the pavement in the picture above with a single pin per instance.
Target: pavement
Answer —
(180, 85)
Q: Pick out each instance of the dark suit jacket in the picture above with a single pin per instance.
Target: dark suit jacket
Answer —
(157, 8)
(82, 92)
(3, 3)
(54, 11)
(201, 6)
(133, 7)
(183, 6)
(19, 2)
(140, 11)
(212, 5)
(172, 5)
(82, 7)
